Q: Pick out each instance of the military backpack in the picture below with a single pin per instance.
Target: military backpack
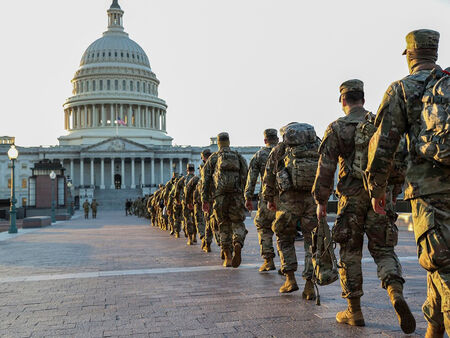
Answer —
(433, 142)
(363, 133)
(227, 173)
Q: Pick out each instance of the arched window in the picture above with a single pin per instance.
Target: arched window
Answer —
(108, 85)
(87, 86)
(93, 85)
(116, 84)
(138, 86)
(131, 86)
(81, 87)
(101, 85)
(124, 85)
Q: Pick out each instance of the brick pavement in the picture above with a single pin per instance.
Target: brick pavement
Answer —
(117, 276)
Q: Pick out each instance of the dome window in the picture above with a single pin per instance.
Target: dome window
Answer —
(109, 54)
(98, 55)
(101, 85)
(124, 85)
(115, 54)
(121, 55)
(116, 84)
(104, 54)
(128, 55)
(138, 86)
(138, 57)
(132, 56)
(93, 85)
(131, 86)
(108, 85)
(87, 86)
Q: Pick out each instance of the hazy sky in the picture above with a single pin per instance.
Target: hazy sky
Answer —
(237, 65)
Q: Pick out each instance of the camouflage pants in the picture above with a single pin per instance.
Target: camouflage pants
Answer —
(201, 222)
(431, 216)
(212, 229)
(356, 217)
(294, 207)
(94, 213)
(188, 216)
(176, 218)
(229, 211)
(263, 221)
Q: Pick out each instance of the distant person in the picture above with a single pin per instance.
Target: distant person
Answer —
(127, 207)
(94, 206)
(86, 207)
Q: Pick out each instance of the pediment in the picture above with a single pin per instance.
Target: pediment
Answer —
(116, 144)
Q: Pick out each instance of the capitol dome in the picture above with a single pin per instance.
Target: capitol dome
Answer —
(115, 92)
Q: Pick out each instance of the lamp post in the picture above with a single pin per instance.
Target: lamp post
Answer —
(69, 192)
(52, 177)
(13, 154)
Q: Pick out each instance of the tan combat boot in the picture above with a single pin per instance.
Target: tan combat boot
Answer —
(237, 256)
(203, 243)
(353, 315)
(434, 331)
(228, 259)
(177, 235)
(405, 317)
(308, 292)
(268, 265)
(291, 283)
(207, 247)
(189, 242)
(194, 238)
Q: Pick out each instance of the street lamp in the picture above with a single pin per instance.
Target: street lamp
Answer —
(52, 177)
(69, 192)
(13, 154)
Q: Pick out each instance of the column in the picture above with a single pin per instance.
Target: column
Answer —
(180, 160)
(94, 116)
(103, 115)
(161, 163)
(133, 178)
(113, 114)
(158, 119)
(112, 174)
(123, 172)
(164, 120)
(138, 116)
(71, 170)
(85, 117)
(142, 171)
(78, 117)
(121, 113)
(152, 176)
(92, 172)
(171, 170)
(102, 173)
(148, 120)
(81, 171)
(130, 112)
(153, 117)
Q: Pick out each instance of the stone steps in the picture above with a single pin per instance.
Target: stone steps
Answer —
(112, 199)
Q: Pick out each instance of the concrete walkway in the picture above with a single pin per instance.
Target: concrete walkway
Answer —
(118, 276)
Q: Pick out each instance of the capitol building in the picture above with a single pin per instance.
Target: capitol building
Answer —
(116, 145)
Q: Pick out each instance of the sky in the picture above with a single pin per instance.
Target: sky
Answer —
(239, 66)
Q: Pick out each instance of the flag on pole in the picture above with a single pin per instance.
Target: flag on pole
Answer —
(121, 122)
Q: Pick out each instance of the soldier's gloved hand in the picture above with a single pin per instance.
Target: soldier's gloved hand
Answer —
(378, 205)
(321, 211)
(272, 206)
(190, 207)
(205, 207)
(249, 205)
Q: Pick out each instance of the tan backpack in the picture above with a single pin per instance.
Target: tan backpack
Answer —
(363, 133)
(227, 173)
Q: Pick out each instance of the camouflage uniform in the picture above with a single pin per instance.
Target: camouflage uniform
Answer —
(293, 207)
(94, 206)
(427, 183)
(86, 206)
(264, 216)
(355, 215)
(168, 209)
(228, 208)
(180, 198)
(175, 209)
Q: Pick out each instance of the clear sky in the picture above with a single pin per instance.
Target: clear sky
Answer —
(237, 65)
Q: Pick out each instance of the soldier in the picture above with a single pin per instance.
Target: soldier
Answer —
(264, 217)
(226, 170)
(346, 141)
(94, 206)
(194, 202)
(288, 178)
(417, 106)
(180, 198)
(86, 206)
(127, 207)
(168, 209)
(175, 210)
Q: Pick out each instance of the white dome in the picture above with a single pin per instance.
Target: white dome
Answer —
(115, 47)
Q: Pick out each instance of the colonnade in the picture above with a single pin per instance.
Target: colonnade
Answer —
(106, 115)
(137, 178)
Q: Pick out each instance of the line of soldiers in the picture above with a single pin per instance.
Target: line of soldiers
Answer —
(407, 141)
(92, 206)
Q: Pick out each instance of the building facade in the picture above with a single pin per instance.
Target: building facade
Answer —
(116, 145)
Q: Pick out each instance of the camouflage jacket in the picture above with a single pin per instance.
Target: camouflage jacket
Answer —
(190, 189)
(338, 146)
(256, 170)
(210, 168)
(168, 189)
(269, 181)
(179, 190)
(399, 114)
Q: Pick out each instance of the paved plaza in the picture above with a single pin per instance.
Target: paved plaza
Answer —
(118, 276)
